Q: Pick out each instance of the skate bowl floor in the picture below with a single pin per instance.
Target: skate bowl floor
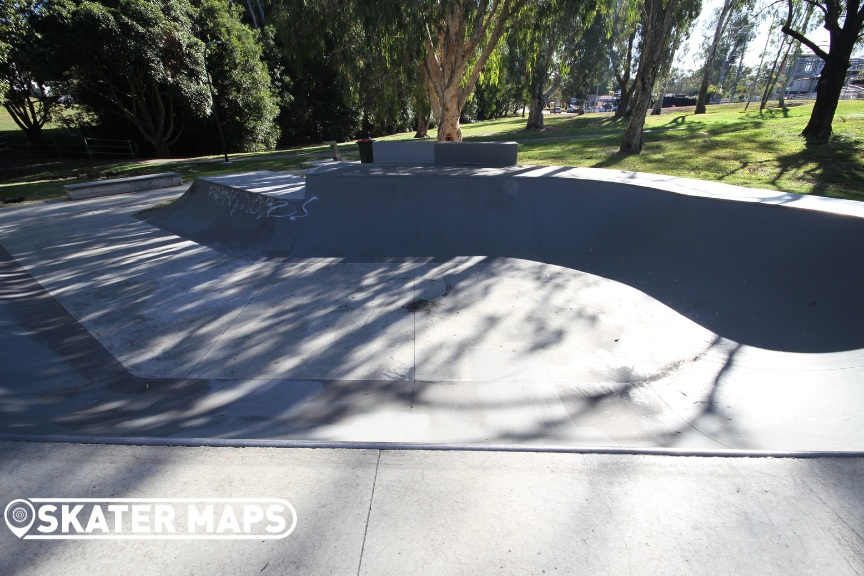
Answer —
(535, 308)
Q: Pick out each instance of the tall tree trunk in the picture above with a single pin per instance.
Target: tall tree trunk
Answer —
(842, 43)
(781, 97)
(772, 77)
(738, 72)
(624, 103)
(633, 141)
(252, 15)
(538, 95)
(448, 125)
(795, 54)
(623, 77)
(450, 67)
(423, 122)
(535, 112)
(722, 21)
(657, 48)
(827, 96)
(422, 107)
(658, 103)
(756, 76)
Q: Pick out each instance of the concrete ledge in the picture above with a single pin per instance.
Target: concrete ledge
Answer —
(404, 153)
(445, 153)
(476, 153)
(122, 185)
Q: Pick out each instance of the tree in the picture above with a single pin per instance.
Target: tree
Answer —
(248, 107)
(450, 40)
(740, 32)
(133, 60)
(491, 92)
(459, 37)
(25, 88)
(316, 56)
(724, 15)
(587, 65)
(844, 20)
(622, 36)
(660, 19)
(550, 24)
(664, 74)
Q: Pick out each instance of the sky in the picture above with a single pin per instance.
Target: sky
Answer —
(687, 59)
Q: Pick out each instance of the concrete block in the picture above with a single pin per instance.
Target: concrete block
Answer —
(476, 153)
(122, 185)
(405, 153)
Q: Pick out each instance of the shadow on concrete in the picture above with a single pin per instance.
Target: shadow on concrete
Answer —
(343, 330)
(72, 386)
(760, 274)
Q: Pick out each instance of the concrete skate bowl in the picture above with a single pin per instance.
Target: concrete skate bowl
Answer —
(777, 272)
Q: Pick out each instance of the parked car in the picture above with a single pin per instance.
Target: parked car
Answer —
(571, 110)
(556, 110)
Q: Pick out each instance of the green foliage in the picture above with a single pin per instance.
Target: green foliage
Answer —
(25, 88)
(135, 69)
(247, 104)
(317, 47)
(136, 61)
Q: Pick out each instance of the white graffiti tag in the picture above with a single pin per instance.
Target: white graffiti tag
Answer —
(293, 215)
(258, 205)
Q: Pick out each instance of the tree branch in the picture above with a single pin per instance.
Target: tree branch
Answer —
(497, 32)
(806, 41)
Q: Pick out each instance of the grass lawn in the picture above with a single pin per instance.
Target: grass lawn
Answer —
(728, 144)
(759, 150)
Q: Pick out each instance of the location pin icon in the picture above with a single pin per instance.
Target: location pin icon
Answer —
(19, 515)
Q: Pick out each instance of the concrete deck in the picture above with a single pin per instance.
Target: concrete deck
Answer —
(118, 332)
(377, 513)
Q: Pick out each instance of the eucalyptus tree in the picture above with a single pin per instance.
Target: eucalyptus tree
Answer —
(316, 57)
(791, 56)
(548, 29)
(622, 35)
(587, 64)
(661, 19)
(786, 44)
(844, 21)
(452, 41)
(724, 15)
(26, 90)
(664, 75)
(733, 47)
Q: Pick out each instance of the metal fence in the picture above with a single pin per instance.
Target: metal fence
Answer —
(72, 147)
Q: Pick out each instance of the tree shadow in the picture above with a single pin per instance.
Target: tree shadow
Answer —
(327, 346)
(826, 164)
(319, 315)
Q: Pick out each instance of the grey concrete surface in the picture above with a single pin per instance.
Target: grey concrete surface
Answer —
(426, 153)
(414, 512)
(114, 327)
(413, 153)
(476, 153)
(111, 327)
(122, 185)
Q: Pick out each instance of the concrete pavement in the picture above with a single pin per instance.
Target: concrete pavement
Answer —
(128, 330)
(373, 512)
(117, 331)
